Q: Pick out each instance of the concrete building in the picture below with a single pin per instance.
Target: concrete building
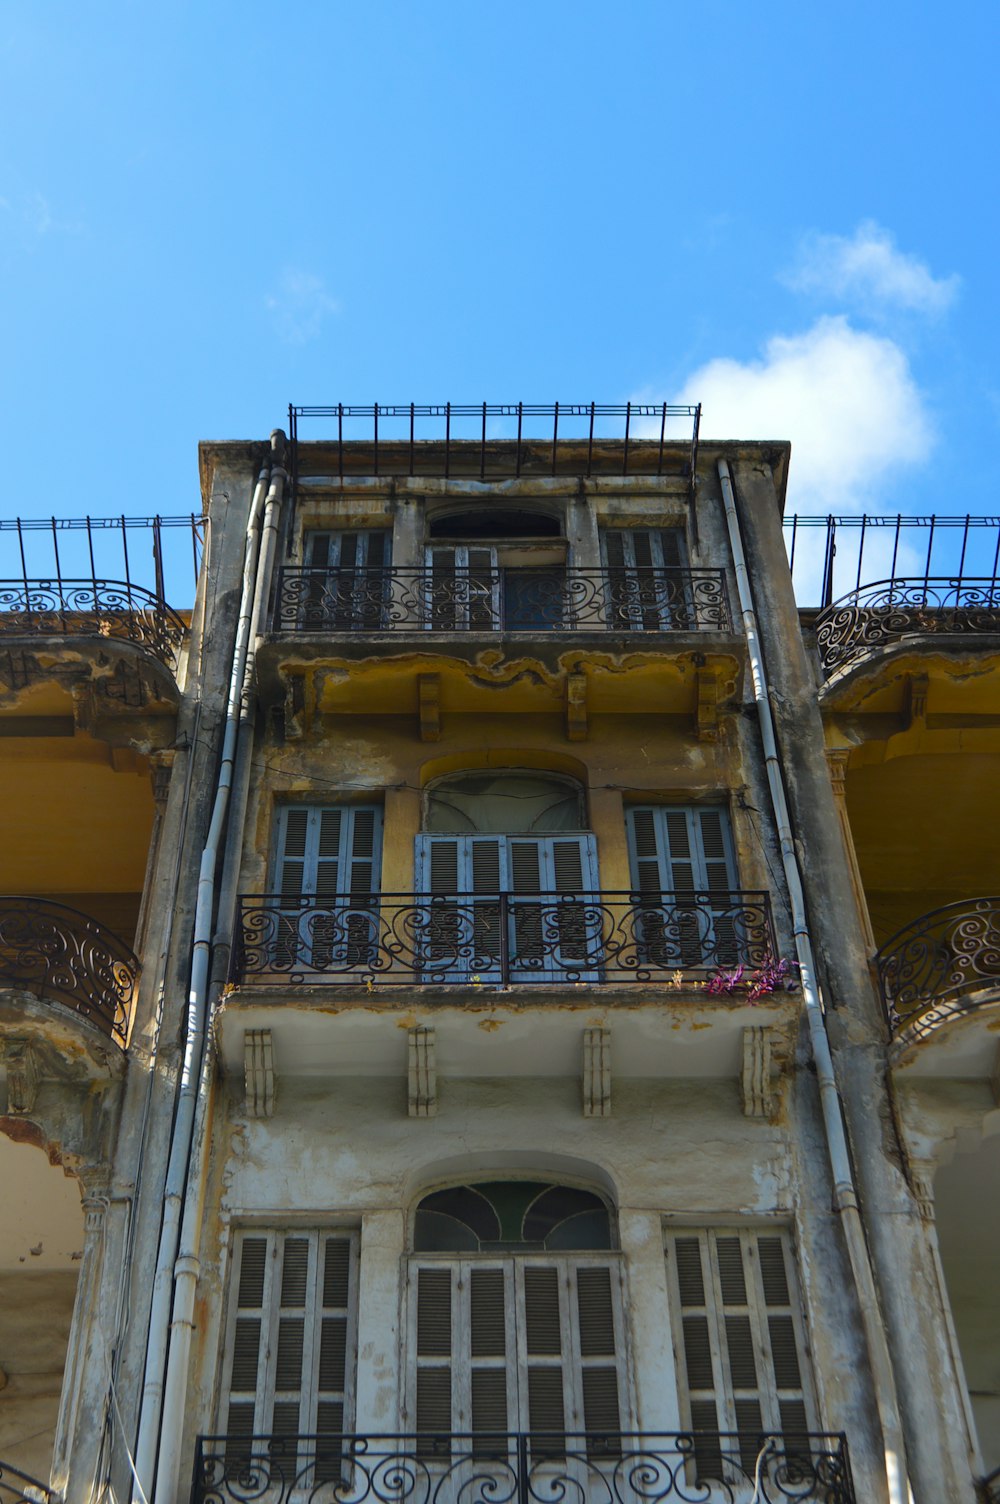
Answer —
(501, 1000)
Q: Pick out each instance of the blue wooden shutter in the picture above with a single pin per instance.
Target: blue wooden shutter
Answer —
(687, 854)
(330, 854)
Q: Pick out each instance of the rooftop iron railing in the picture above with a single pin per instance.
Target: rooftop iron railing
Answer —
(490, 440)
(525, 1468)
(20, 1488)
(60, 954)
(498, 600)
(498, 939)
(941, 966)
(889, 610)
(830, 556)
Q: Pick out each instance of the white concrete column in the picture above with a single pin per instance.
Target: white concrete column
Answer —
(379, 1383)
(653, 1372)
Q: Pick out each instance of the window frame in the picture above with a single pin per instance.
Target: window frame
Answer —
(723, 1394)
(277, 1231)
(516, 1359)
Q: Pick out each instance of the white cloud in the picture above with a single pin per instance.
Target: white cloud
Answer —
(845, 398)
(868, 269)
(299, 306)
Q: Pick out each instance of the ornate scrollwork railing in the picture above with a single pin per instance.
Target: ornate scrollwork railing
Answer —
(20, 1488)
(989, 1488)
(502, 600)
(692, 1467)
(942, 965)
(57, 953)
(882, 613)
(498, 939)
(92, 608)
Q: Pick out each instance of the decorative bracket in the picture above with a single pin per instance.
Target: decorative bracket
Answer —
(422, 1074)
(755, 1077)
(160, 767)
(597, 1073)
(429, 694)
(23, 1076)
(258, 1055)
(709, 695)
(918, 686)
(576, 707)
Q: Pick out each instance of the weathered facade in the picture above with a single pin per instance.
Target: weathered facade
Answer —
(513, 991)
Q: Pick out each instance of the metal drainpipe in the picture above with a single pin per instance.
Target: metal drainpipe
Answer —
(183, 1127)
(188, 1265)
(844, 1191)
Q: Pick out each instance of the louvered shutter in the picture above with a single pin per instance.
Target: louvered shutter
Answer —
(435, 1300)
(741, 1341)
(551, 937)
(690, 851)
(463, 588)
(645, 592)
(330, 854)
(463, 930)
(289, 1364)
(348, 583)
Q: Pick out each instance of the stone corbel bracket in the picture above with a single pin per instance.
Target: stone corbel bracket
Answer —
(758, 1071)
(258, 1050)
(422, 1099)
(597, 1073)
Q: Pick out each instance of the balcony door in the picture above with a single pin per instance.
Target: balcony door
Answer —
(509, 908)
(471, 588)
(345, 580)
(326, 878)
(647, 590)
(526, 1333)
(684, 874)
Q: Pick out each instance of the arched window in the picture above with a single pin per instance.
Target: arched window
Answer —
(517, 1320)
(502, 858)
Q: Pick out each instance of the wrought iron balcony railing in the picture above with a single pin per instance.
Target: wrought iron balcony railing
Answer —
(989, 1488)
(940, 966)
(20, 1488)
(878, 614)
(502, 600)
(498, 939)
(57, 953)
(524, 1468)
(92, 608)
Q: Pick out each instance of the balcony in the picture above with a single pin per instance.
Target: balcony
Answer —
(61, 956)
(501, 600)
(498, 940)
(882, 615)
(529, 1468)
(942, 967)
(113, 610)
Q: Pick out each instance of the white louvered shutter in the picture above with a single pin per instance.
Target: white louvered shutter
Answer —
(463, 587)
(291, 1337)
(331, 854)
(681, 851)
(522, 1344)
(741, 1348)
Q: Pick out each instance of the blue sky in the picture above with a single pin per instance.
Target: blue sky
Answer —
(788, 211)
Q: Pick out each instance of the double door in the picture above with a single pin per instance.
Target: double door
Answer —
(509, 908)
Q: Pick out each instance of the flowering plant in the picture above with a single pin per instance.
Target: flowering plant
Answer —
(770, 976)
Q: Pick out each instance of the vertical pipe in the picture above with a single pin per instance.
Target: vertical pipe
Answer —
(447, 439)
(663, 429)
(844, 1190)
(590, 441)
(482, 448)
(411, 437)
(24, 562)
(517, 457)
(628, 424)
(555, 435)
